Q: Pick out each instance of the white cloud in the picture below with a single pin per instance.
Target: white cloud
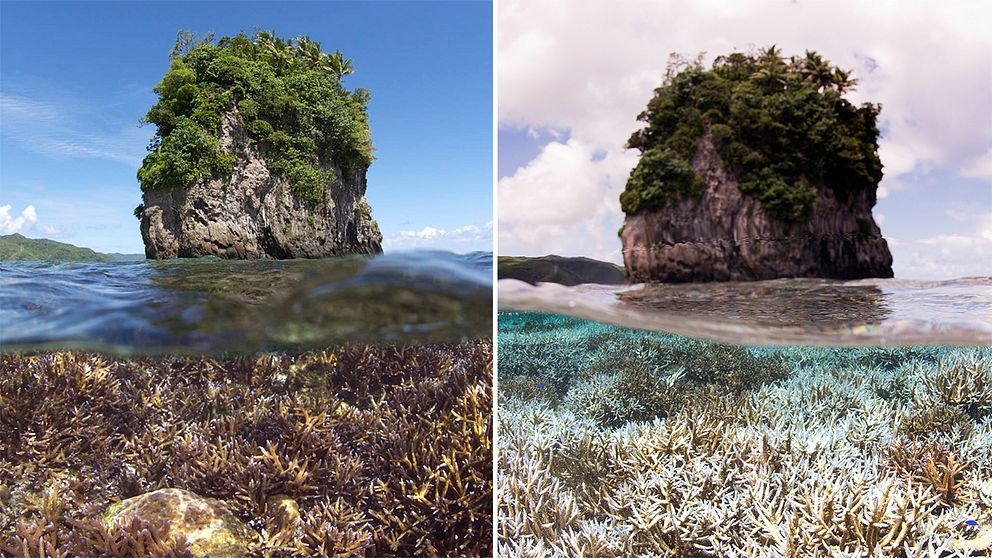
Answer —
(898, 161)
(10, 225)
(52, 232)
(985, 226)
(65, 129)
(879, 218)
(591, 68)
(427, 233)
(478, 237)
(23, 108)
(980, 166)
(565, 201)
(927, 64)
(945, 256)
(981, 219)
(96, 215)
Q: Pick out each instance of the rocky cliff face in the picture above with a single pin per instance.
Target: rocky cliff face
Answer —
(256, 215)
(725, 235)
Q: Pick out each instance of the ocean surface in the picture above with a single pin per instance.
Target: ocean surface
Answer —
(210, 306)
(781, 312)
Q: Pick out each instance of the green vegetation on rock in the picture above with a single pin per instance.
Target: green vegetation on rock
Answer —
(288, 94)
(781, 127)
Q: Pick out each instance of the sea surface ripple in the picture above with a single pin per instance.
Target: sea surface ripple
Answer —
(872, 312)
(208, 305)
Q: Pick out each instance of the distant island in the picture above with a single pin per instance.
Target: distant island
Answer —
(757, 168)
(16, 247)
(561, 270)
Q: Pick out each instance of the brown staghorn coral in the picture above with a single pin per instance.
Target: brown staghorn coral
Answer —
(355, 451)
(90, 538)
(933, 465)
(966, 385)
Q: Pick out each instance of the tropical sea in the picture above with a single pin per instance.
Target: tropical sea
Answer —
(310, 407)
(795, 417)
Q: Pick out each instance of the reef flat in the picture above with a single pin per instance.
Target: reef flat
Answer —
(353, 451)
(617, 442)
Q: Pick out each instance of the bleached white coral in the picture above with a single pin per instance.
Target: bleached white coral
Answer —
(834, 459)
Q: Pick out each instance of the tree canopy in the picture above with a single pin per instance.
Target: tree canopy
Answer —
(289, 95)
(781, 126)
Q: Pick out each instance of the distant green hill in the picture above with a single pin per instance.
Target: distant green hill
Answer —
(561, 270)
(19, 247)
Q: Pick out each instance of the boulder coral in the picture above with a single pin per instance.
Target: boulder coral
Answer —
(206, 525)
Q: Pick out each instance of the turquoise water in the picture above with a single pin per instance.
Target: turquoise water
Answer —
(209, 305)
(616, 441)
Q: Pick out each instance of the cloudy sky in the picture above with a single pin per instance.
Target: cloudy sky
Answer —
(572, 77)
(76, 77)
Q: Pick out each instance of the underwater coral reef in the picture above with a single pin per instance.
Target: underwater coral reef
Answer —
(616, 443)
(354, 451)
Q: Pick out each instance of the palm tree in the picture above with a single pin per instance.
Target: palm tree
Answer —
(817, 71)
(263, 40)
(309, 51)
(280, 53)
(275, 50)
(337, 65)
(772, 70)
(843, 81)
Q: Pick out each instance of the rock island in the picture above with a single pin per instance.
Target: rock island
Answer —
(259, 152)
(757, 168)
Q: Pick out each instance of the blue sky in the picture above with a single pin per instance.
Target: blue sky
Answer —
(75, 78)
(568, 101)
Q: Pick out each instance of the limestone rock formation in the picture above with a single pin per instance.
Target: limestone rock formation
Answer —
(724, 235)
(208, 525)
(255, 214)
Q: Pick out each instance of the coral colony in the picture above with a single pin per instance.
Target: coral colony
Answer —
(617, 443)
(348, 452)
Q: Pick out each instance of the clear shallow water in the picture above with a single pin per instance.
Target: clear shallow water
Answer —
(785, 311)
(211, 306)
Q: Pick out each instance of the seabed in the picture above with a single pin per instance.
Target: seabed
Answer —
(618, 443)
(348, 452)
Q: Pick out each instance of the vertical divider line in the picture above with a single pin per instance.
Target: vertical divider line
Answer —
(495, 271)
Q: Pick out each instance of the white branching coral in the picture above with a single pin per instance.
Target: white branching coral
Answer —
(852, 452)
